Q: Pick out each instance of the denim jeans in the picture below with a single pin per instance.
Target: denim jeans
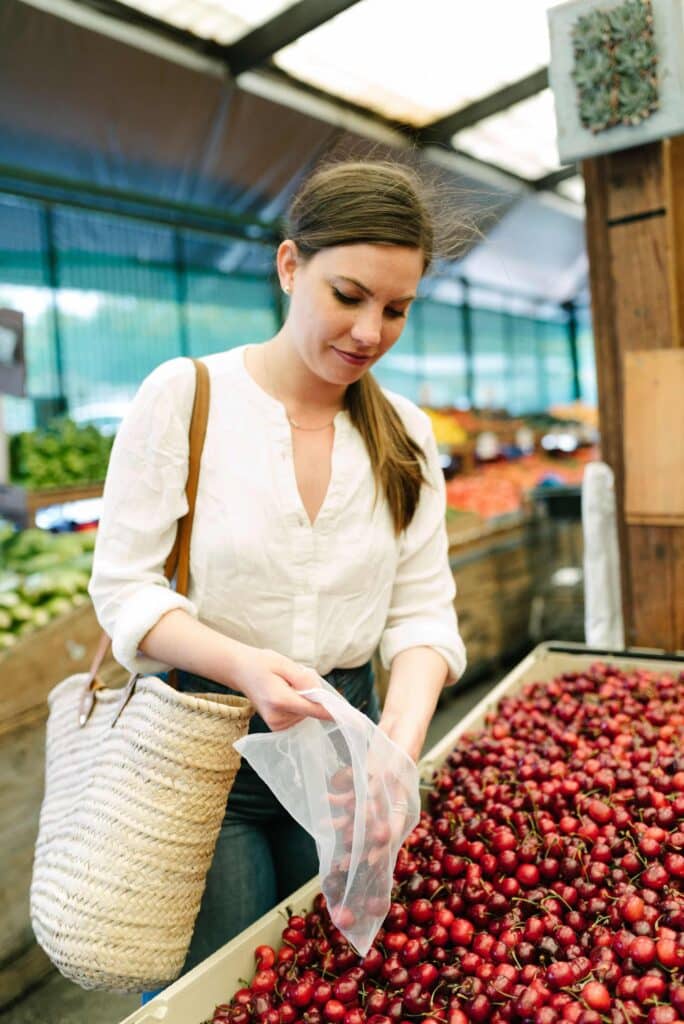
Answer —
(262, 854)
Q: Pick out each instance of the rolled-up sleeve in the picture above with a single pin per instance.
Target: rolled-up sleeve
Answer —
(422, 612)
(144, 497)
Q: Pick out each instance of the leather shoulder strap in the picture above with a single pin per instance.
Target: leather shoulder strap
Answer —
(178, 562)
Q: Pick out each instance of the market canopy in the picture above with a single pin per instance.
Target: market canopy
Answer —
(223, 105)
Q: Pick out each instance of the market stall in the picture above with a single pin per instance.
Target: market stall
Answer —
(442, 954)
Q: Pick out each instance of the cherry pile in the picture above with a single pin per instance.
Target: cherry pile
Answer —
(544, 883)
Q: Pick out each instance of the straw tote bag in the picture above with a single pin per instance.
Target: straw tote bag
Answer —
(136, 784)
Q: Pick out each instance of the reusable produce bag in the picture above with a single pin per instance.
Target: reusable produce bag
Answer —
(136, 783)
(356, 792)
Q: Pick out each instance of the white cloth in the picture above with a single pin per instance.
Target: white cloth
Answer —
(324, 595)
(603, 625)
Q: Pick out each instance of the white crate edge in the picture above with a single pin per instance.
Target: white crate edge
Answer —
(192, 999)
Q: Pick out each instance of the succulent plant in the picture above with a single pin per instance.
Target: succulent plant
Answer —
(595, 110)
(630, 20)
(632, 56)
(615, 68)
(591, 30)
(637, 99)
(592, 68)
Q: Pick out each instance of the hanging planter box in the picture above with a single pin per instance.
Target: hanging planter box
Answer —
(616, 74)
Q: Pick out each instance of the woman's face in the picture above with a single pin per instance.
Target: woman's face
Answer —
(348, 305)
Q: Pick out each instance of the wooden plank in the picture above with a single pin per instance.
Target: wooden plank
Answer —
(20, 505)
(22, 759)
(638, 258)
(678, 587)
(40, 660)
(651, 554)
(673, 156)
(635, 181)
(654, 435)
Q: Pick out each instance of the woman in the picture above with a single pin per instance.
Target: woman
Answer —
(319, 525)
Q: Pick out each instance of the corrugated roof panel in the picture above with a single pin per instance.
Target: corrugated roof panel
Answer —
(224, 21)
(417, 62)
(573, 188)
(521, 139)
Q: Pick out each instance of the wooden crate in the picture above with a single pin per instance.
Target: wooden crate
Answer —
(192, 999)
(20, 504)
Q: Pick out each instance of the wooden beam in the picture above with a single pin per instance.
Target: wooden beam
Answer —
(635, 238)
(673, 187)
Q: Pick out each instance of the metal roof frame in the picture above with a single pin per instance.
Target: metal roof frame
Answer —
(263, 41)
(254, 50)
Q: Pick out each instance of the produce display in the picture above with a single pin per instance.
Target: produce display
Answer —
(502, 487)
(544, 882)
(42, 575)
(60, 455)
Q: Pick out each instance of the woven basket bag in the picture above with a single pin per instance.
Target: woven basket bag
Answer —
(136, 784)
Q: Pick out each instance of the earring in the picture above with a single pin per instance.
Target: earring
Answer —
(286, 289)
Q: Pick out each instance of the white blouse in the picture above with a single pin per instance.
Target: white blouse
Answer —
(325, 594)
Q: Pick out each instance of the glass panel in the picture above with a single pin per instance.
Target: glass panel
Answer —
(490, 359)
(587, 357)
(524, 388)
(118, 305)
(24, 287)
(400, 369)
(222, 20)
(443, 355)
(557, 363)
(572, 188)
(225, 312)
(418, 62)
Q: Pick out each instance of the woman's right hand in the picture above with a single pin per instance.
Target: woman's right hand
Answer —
(271, 681)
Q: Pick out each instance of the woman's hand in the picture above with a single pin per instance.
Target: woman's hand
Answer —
(271, 682)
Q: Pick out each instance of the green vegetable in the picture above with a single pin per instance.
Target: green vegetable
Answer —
(5, 619)
(22, 612)
(41, 617)
(58, 455)
(9, 581)
(57, 606)
(7, 640)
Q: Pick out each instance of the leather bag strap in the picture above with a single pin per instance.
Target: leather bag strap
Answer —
(178, 562)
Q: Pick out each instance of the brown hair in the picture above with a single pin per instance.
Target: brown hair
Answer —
(381, 203)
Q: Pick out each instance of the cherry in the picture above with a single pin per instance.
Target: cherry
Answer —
(642, 950)
(334, 1011)
(265, 956)
(596, 996)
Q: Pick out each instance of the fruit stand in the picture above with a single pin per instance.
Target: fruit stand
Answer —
(566, 903)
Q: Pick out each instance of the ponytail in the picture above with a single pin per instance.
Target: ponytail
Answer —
(396, 459)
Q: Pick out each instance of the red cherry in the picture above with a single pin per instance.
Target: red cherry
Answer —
(596, 996)
(642, 950)
(334, 1011)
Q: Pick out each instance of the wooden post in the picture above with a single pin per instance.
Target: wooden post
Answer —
(635, 238)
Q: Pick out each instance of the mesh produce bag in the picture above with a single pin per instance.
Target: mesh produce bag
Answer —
(355, 792)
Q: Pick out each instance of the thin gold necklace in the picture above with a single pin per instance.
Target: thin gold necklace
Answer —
(290, 420)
